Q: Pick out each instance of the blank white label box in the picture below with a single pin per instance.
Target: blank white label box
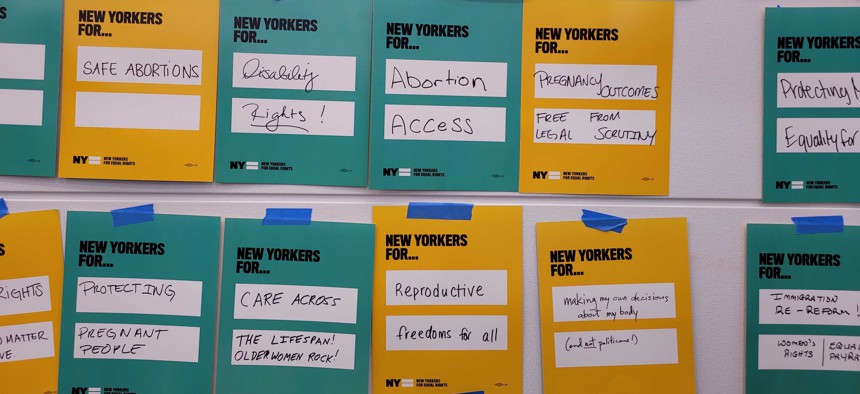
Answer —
(137, 111)
(22, 61)
(21, 107)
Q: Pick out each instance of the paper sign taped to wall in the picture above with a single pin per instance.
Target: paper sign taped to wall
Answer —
(615, 307)
(294, 83)
(446, 97)
(447, 313)
(31, 282)
(596, 97)
(139, 84)
(30, 46)
(139, 295)
(295, 307)
(803, 310)
(811, 118)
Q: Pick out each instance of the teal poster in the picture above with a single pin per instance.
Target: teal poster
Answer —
(295, 308)
(446, 95)
(293, 92)
(811, 105)
(30, 45)
(803, 311)
(139, 305)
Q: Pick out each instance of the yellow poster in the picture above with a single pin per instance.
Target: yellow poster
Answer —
(447, 302)
(138, 96)
(596, 95)
(31, 284)
(615, 308)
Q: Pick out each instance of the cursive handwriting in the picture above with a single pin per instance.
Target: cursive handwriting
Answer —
(410, 81)
(254, 69)
(823, 138)
(803, 90)
(271, 121)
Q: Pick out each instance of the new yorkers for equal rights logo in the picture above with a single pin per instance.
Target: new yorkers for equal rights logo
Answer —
(103, 160)
(562, 175)
(100, 390)
(409, 383)
(806, 185)
(260, 166)
(410, 172)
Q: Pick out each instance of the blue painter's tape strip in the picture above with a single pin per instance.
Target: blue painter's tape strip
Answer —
(443, 211)
(602, 221)
(4, 210)
(819, 224)
(133, 215)
(288, 217)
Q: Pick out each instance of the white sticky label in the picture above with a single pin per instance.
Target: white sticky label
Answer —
(140, 65)
(613, 348)
(137, 342)
(21, 107)
(141, 296)
(295, 72)
(444, 123)
(595, 126)
(446, 78)
(450, 332)
(137, 111)
(596, 81)
(818, 135)
(809, 352)
(613, 302)
(296, 117)
(22, 61)
(26, 342)
(25, 295)
(816, 307)
(452, 287)
(293, 349)
(817, 90)
(297, 303)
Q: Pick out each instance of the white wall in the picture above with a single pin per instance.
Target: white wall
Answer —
(715, 183)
